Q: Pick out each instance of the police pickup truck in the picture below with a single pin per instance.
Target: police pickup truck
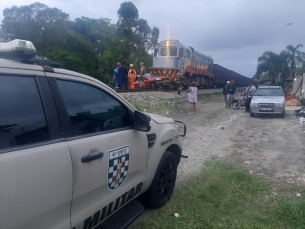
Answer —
(73, 152)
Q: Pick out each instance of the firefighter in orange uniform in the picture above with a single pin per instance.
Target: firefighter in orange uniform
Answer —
(131, 75)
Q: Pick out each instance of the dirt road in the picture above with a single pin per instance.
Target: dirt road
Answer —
(268, 145)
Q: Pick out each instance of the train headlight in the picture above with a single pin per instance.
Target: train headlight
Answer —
(254, 104)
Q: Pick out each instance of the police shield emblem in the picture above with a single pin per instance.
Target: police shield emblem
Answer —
(118, 166)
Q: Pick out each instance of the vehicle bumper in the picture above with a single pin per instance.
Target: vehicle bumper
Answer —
(272, 110)
(163, 82)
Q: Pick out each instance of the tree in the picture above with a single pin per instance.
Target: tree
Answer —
(155, 36)
(29, 22)
(128, 15)
(270, 63)
(294, 57)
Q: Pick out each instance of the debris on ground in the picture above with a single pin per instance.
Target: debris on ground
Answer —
(299, 195)
(247, 162)
(251, 172)
(177, 215)
(260, 167)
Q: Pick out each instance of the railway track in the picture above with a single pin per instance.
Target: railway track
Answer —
(163, 90)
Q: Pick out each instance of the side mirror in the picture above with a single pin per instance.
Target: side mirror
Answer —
(142, 121)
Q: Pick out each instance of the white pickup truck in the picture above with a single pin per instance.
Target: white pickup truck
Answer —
(73, 152)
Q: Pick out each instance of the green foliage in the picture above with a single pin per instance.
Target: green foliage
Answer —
(69, 60)
(29, 22)
(225, 197)
(128, 15)
(294, 57)
(86, 45)
(273, 64)
(287, 64)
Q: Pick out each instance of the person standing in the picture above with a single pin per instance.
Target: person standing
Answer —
(225, 92)
(117, 76)
(142, 75)
(192, 97)
(131, 75)
(250, 93)
(178, 81)
(231, 91)
(124, 76)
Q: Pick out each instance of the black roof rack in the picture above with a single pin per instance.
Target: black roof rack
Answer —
(41, 60)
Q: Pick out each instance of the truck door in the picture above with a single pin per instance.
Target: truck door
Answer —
(35, 162)
(109, 156)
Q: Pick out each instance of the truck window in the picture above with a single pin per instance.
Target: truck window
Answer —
(22, 117)
(90, 109)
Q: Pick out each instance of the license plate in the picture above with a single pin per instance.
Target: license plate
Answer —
(266, 108)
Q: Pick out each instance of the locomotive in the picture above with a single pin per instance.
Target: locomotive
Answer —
(171, 56)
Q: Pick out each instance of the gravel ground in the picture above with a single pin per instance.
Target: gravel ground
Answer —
(268, 146)
(156, 96)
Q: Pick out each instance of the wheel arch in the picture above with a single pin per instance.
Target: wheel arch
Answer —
(176, 150)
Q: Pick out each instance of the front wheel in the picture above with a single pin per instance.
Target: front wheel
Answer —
(163, 183)
(236, 105)
(251, 114)
(282, 115)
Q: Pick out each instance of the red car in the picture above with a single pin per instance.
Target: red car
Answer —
(152, 81)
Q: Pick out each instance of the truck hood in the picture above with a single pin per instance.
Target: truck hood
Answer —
(268, 99)
(160, 119)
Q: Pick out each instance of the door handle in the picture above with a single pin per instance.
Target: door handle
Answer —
(88, 158)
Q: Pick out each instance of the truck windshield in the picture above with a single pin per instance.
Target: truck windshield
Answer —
(268, 92)
(149, 75)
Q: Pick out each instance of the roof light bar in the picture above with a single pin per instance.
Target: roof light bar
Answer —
(17, 48)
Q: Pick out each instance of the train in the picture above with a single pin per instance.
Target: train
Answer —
(171, 56)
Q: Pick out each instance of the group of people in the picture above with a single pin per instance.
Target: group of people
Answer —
(122, 75)
(229, 91)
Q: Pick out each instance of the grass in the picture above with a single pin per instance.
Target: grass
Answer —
(161, 107)
(216, 97)
(207, 117)
(224, 197)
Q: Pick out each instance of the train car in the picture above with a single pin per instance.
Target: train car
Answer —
(222, 75)
(171, 56)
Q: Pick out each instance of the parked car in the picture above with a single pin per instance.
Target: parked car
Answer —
(73, 152)
(152, 81)
(268, 100)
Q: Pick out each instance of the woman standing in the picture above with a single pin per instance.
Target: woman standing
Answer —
(192, 97)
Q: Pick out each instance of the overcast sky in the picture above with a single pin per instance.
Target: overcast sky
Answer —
(233, 32)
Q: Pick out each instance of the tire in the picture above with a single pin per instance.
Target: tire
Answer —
(251, 114)
(153, 85)
(236, 105)
(163, 183)
(282, 115)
